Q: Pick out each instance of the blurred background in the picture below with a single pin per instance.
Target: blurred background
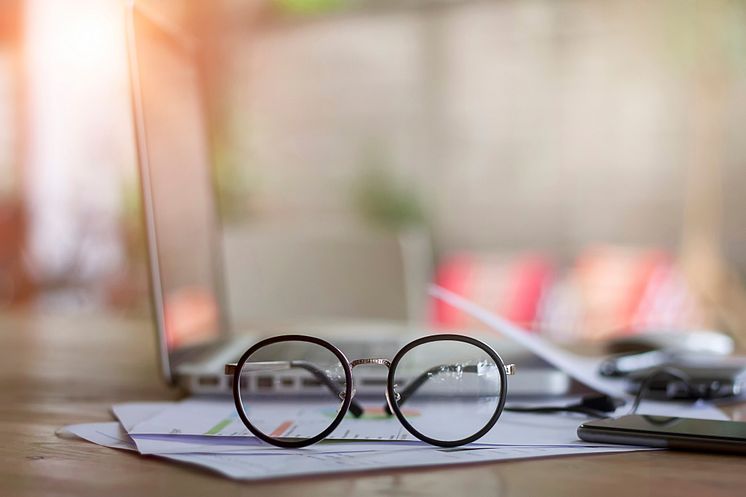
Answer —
(576, 166)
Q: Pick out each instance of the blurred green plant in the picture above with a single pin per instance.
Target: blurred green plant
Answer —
(131, 221)
(386, 202)
(707, 35)
(233, 186)
(234, 179)
(308, 7)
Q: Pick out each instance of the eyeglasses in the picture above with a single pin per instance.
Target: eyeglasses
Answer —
(446, 390)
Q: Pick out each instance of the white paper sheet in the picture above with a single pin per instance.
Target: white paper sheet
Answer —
(279, 465)
(130, 414)
(196, 421)
(241, 467)
(110, 434)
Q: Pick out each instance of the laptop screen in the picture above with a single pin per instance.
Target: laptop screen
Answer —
(178, 195)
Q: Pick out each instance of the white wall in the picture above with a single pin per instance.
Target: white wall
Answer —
(525, 124)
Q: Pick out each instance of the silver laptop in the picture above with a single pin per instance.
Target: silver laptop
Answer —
(183, 230)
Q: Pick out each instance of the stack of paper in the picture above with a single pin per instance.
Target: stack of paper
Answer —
(208, 433)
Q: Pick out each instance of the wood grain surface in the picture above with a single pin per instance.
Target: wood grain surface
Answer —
(58, 371)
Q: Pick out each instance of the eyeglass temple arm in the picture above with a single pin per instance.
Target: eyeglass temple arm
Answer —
(355, 408)
(415, 385)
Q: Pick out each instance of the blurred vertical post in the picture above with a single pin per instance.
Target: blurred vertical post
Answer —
(79, 139)
(15, 287)
(703, 254)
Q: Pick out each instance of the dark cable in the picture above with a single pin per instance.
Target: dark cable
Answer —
(658, 373)
(600, 406)
(597, 406)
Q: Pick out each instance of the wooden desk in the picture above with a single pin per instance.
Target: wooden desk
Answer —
(59, 371)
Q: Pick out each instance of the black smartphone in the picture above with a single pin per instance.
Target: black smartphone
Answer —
(668, 432)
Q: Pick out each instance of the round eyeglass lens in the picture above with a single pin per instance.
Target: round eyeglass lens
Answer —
(448, 390)
(292, 390)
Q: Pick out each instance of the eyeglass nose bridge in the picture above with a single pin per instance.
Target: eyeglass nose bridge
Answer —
(379, 361)
(373, 360)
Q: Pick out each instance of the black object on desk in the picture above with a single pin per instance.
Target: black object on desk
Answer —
(666, 375)
(668, 432)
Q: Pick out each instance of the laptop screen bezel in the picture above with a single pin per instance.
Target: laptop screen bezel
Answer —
(169, 360)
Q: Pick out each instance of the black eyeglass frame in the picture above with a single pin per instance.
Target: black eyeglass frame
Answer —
(391, 395)
(501, 367)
